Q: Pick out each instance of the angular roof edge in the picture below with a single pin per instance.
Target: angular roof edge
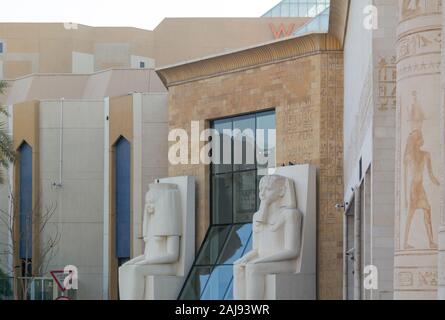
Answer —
(271, 52)
(338, 19)
(274, 51)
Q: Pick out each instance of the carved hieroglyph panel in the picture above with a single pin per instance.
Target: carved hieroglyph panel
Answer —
(410, 9)
(387, 82)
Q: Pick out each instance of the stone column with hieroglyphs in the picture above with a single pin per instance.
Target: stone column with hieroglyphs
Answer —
(441, 256)
(418, 156)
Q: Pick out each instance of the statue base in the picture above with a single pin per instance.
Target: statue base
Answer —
(296, 286)
(163, 287)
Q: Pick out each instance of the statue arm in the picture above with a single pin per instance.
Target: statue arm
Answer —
(171, 256)
(247, 257)
(145, 222)
(135, 260)
(430, 170)
(252, 254)
(405, 177)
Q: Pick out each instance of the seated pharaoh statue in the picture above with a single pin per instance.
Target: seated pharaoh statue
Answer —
(276, 239)
(162, 233)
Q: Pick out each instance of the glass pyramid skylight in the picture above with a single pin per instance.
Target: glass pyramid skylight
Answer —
(298, 8)
(319, 24)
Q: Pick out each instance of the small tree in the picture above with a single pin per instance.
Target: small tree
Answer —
(40, 221)
(5, 286)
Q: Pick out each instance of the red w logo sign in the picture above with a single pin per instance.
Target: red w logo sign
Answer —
(282, 31)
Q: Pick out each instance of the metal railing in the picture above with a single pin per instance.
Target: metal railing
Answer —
(38, 288)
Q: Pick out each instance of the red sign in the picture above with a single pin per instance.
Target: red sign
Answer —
(282, 31)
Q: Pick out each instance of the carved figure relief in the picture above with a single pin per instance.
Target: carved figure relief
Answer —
(415, 161)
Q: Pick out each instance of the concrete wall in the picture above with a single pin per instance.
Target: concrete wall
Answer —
(384, 137)
(51, 47)
(66, 48)
(369, 133)
(82, 62)
(77, 194)
(79, 200)
(82, 86)
(358, 95)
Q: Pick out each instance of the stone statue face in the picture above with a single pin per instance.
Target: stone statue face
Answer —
(271, 189)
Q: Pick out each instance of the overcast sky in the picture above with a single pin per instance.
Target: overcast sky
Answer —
(134, 13)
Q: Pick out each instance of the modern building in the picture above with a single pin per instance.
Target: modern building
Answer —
(84, 164)
(352, 87)
(89, 119)
(27, 48)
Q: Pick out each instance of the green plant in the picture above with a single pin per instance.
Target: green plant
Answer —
(6, 147)
(5, 286)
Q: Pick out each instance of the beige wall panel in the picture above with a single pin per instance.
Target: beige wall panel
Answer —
(55, 55)
(79, 202)
(15, 69)
(181, 39)
(23, 44)
(121, 118)
(82, 63)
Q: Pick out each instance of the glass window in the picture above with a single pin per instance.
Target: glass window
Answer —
(229, 293)
(218, 283)
(25, 202)
(1, 47)
(236, 245)
(122, 197)
(244, 196)
(222, 198)
(196, 283)
(224, 158)
(298, 8)
(244, 143)
(212, 247)
(234, 196)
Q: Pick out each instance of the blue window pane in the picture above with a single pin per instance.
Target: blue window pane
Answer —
(218, 283)
(248, 246)
(244, 196)
(1, 47)
(25, 201)
(212, 247)
(229, 293)
(236, 244)
(244, 142)
(222, 198)
(298, 8)
(122, 197)
(196, 283)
